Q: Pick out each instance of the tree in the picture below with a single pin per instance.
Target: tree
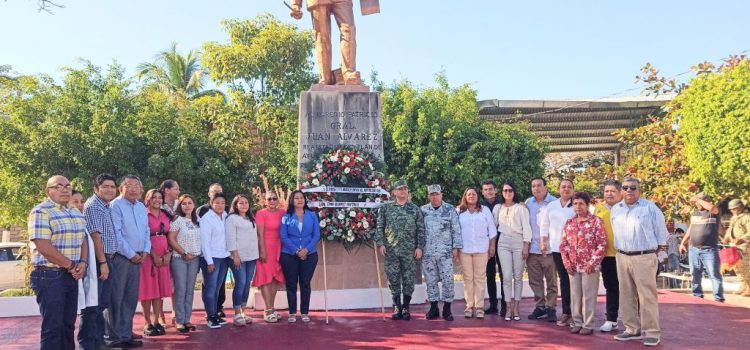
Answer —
(176, 74)
(265, 65)
(714, 112)
(435, 136)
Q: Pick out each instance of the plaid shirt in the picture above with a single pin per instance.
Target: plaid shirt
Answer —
(64, 227)
(99, 219)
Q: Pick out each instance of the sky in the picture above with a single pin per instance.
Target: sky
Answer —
(505, 50)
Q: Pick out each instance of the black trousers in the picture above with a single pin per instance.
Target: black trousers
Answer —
(298, 271)
(493, 267)
(564, 282)
(611, 284)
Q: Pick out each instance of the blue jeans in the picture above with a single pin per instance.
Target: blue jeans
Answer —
(57, 296)
(706, 259)
(242, 278)
(211, 283)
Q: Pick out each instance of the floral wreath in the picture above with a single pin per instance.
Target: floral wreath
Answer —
(346, 167)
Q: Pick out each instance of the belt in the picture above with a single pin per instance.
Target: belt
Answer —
(110, 256)
(637, 252)
(48, 268)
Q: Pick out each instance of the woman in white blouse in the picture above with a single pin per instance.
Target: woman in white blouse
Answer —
(185, 240)
(478, 233)
(514, 237)
(242, 244)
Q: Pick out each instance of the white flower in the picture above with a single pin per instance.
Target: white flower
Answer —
(340, 216)
(376, 182)
(334, 158)
(359, 159)
(315, 182)
(305, 184)
(365, 224)
(359, 224)
(352, 213)
(347, 159)
(323, 224)
(350, 238)
(347, 170)
(319, 166)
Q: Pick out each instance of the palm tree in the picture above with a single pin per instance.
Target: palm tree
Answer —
(177, 74)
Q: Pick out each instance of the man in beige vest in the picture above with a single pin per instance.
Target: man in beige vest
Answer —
(342, 11)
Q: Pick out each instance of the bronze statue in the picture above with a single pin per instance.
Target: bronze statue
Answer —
(343, 12)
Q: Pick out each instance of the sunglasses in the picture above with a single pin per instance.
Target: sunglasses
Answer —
(629, 188)
(508, 190)
(272, 199)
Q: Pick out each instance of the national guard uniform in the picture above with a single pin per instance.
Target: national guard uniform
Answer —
(400, 228)
(442, 237)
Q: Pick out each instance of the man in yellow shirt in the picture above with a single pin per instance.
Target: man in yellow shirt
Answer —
(609, 265)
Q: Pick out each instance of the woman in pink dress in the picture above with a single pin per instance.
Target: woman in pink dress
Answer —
(268, 274)
(156, 281)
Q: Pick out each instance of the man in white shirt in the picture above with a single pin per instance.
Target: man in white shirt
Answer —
(553, 218)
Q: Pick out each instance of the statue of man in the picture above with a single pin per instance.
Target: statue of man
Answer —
(342, 11)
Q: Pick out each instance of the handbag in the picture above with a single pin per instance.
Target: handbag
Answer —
(730, 256)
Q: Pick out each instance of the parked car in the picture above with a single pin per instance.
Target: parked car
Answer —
(11, 265)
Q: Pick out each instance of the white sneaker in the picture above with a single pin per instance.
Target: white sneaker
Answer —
(608, 326)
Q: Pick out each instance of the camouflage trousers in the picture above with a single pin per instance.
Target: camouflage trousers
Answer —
(438, 269)
(401, 269)
(742, 269)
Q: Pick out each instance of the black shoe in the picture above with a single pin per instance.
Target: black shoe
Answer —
(150, 331)
(160, 329)
(551, 315)
(405, 314)
(492, 310)
(182, 328)
(132, 343)
(538, 313)
(221, 314)
(220, 319)
(396, 308)
(213, 323)
(190, 326)
(433, 313)
(447, 314)
(503, 308)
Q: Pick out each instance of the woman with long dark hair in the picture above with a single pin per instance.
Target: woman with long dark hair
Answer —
(185, 240)
(156, 280)
(514, 237)
(300, 233)
(242, 243)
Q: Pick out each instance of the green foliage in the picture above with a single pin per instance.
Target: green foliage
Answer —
(715, 127)
(176, 74)
(266, 64)
(435, 136)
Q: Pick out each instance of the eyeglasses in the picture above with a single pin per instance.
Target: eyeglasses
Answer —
(272, 199)
(507, 190)
(60, 187)
(629, 188)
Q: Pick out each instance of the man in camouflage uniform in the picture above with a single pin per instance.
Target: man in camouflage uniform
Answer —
(738, 235)
(400, 238)
(442, 242)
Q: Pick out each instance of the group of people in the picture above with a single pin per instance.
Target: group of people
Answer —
(554, 238)
(105, 254)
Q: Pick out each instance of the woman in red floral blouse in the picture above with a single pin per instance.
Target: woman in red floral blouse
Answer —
(583, 246)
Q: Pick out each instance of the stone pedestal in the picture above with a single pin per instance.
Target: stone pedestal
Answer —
(330, 118)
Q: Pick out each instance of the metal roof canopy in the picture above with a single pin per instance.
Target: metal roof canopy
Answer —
(575, 126)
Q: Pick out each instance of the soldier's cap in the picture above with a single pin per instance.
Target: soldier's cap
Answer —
(736, 203)
(434, 189)
(704, 197)
(400, 184)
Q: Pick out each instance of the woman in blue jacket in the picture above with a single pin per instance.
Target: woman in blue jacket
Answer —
(300, 232)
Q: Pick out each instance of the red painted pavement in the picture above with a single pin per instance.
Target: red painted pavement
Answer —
(687, 323)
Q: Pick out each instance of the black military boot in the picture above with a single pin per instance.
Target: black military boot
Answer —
(447, 314)
(433, 313)
(405, 314)
(396, 308)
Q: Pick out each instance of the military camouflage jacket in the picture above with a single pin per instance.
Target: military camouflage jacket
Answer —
(442, 230)
(400, 227)
(739, 227)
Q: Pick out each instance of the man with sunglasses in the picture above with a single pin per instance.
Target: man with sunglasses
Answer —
(59, 261)
(703, 236)
(640, 232)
